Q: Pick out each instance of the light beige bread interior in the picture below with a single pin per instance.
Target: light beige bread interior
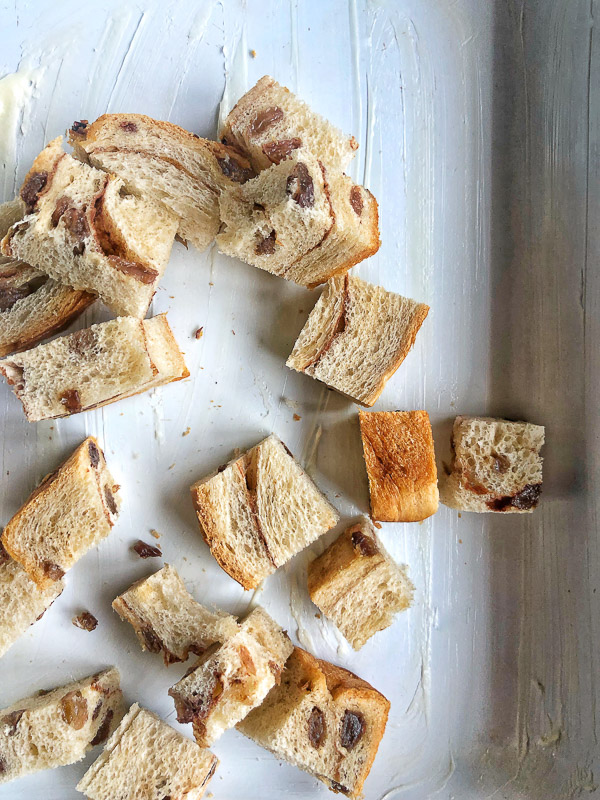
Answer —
(400, 461)
(357, 584)
(73, 509)
(165, 617)
(231, 679)
(322, 719)
(356, 337)
(183, 172)
(260, 510)
(93, 367)
(269, 122)
(58, 727)
(85, 229)
(496, 466)
(146, 759)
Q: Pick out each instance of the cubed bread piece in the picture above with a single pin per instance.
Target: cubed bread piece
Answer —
(94, 367)
(322, 719)
(146, 759)
(356, 337)
(299, 221)
(58, 727)
(70, 511)
(167, 163)
(496, 466)
(400, 461)
(269, 122)
(358, 585)
(166, 617)
(259, 510)
(231, 679)
(85, 229)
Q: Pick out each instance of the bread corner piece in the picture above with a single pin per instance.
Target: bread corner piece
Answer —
(57, 727)
(259, 510)
(70, 511)
(165, 617)
(322, 719)
(496, 466)
(231, 679)
(146, 759)
(400, 461)
(356, 337)
(358, 585)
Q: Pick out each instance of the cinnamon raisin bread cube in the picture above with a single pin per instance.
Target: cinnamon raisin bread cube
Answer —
(496, 466)
(146, 759)
(299, 221)
(165, 617)
(259, 510)
(322, 719)
(269, 122)
(176, 168)
(356, 337)
(358, 585)
(400, 461)
(58, 727)
(85, 229)
(94, 367)
(73, 509)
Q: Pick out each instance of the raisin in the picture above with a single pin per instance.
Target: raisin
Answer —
(3, 766)
(500, 462)
(32, 188)
(246, 660)
(94, 454)
(140, 272)
(129, 126)
(277, 152)
(352, 728)
(527, 498)
(356, 200)
(366, 545)
(79, 126)
(152, 642)
(76, 223)
(110, 500)
(337, 787)
(52, 571)
(264, 119)
(86, 621)
(59, 209)
(266, 246)
(12, 720)
(11, 295)
(71, 400)
(300, 186)
(103, 730)
(233, 169)
(4, 557)
(145, 550)
(97, 710)
(74, 709)
(316, 727)
(81, 342)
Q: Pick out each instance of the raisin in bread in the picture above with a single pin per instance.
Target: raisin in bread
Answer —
(260, 510)
(85, 229)
(356, 337)
(299, 221)
(146, 759)
(496, 466)
(73, 509)
(269, 122)
(358, 585)
(184, 173)
(322, 719)
(165, 617)
(400, 461)
(231, 679)
(93, 367)
(58, 727)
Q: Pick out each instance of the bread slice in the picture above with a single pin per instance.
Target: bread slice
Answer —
(269, 122)
(58, 727)
(85, 229)
(166, 617)
(358, 585)
(231, 679)
(259, 510)
(400, 461)
(73, 509)
(356, 337)
(146, 759)
(496, 466)
(322, 719)
(299, 221)
(93, 367)
(178, 169)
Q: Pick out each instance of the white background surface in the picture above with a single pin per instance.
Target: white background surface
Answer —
(478, 129)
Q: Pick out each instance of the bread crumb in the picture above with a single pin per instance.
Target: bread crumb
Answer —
(459, 515)
(233, 331)
(460, 541)
(85, 621)
(154, 533)
(297, 417)
(317, 615)
(199, 333)
(172, 465)
(253, 55)
(210, 283)
(186, 431)
(377, 525)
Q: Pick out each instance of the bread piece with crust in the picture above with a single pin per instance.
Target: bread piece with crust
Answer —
(322, 719)
(93, 367)
(73, 509)
(400, 461)
(356, 337)
(496, 466)
(178, 169)
(259, 510)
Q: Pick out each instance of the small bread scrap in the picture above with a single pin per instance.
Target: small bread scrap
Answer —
(496, 466)
(400, 461)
